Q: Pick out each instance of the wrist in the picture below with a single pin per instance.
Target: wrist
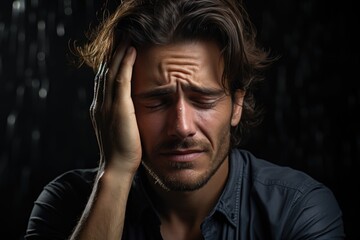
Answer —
(114, 181)
(122, 162)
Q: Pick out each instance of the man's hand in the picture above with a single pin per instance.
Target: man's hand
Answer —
(113, 115)
(114, 121)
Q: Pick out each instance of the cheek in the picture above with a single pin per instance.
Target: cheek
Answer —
(150, 126)
(215, 123)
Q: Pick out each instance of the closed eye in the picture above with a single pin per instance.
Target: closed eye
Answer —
(156, 104)
(205, 104)
(205, 101)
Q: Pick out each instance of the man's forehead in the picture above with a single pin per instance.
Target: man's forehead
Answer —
(184, 61)
(192, 50)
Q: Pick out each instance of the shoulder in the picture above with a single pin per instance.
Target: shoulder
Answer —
(60, 204)
(76, 176)
(274, 180)
(75, 183)
(264, 173)
(290, 199)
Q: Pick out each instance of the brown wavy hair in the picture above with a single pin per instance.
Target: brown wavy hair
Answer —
(146, 23)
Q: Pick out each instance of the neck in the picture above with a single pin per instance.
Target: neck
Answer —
(191, 207)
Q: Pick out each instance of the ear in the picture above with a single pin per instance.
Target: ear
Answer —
(237, 107)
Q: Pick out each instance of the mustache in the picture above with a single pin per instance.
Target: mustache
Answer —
(182, 144)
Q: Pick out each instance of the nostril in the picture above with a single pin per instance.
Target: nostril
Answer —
(182, 124)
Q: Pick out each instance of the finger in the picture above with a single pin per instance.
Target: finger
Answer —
(113, 71)
(123, 78)
(98, 82)
(97, 102)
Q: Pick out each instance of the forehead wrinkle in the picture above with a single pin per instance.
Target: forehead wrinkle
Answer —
(179, 67)
(187, 62)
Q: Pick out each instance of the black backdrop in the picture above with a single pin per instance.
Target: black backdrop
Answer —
(311, 97)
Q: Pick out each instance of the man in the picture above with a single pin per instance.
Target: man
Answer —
(173, 97)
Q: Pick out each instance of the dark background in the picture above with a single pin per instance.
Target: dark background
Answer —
(311, 97)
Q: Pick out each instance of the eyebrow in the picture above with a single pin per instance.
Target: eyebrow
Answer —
(155, 93)
(166, 91)
(205, 90)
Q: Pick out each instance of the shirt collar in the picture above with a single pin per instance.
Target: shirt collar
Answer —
(140, 203)
(229, 201)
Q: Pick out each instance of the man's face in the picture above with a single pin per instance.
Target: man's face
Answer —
(183, 113)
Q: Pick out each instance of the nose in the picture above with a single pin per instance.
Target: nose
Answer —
(181, 120)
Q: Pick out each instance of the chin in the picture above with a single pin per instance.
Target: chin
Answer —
(185, 180)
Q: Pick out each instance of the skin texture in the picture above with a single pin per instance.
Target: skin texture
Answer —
(164, 106)
(183, 113)
(184, 116)
(113, 117)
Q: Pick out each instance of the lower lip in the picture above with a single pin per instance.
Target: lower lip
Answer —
(183, 157)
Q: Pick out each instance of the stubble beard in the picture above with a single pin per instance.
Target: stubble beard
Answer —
(169, 183)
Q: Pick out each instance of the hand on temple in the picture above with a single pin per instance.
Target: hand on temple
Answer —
(113, 115)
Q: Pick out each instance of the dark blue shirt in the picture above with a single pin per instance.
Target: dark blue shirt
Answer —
(260, 201)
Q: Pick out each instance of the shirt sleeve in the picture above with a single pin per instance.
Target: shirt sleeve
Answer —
(315, 215)
(59, 206)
